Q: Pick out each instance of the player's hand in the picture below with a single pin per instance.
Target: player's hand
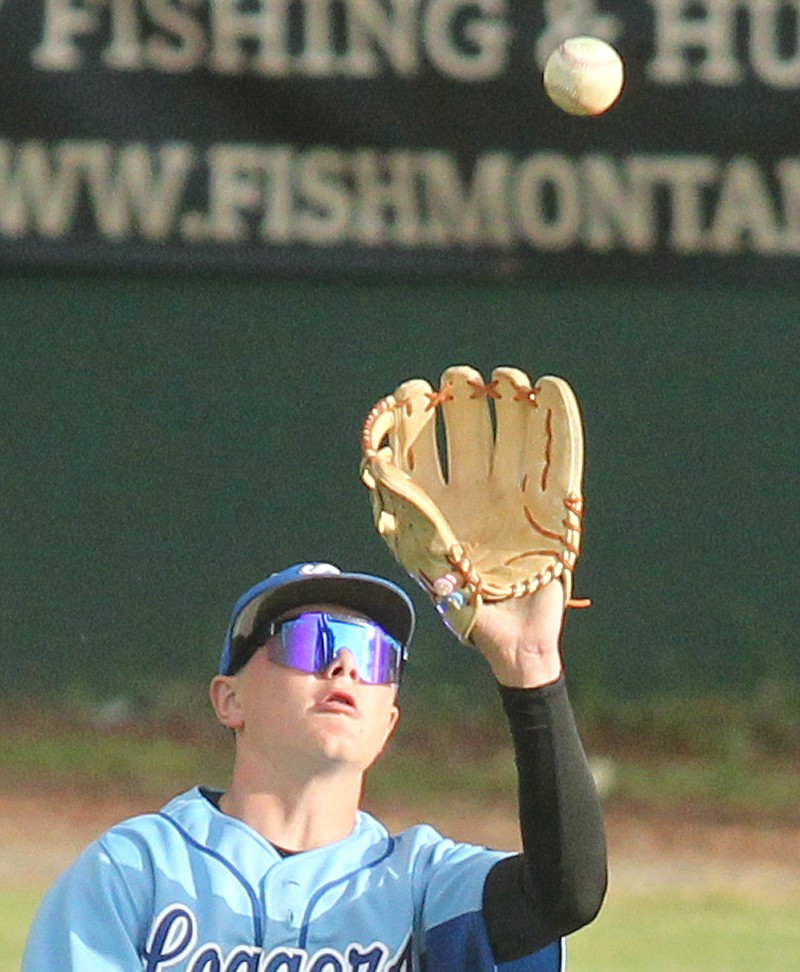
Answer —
(520, 637)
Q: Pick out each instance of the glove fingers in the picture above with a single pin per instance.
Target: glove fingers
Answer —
(554, 454)
(468, 425)
(416, 448)
(513, 408)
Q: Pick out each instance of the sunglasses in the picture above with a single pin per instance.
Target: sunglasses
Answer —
(310, 642)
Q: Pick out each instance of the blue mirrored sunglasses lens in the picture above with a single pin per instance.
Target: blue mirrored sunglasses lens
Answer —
(312, 641)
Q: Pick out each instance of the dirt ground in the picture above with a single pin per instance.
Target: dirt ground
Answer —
(43, 830)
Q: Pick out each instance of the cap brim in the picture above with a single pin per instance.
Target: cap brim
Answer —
(381, 601)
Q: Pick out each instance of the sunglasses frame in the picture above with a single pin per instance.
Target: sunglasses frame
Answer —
(398, 653)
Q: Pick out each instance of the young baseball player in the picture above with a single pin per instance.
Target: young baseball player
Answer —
(283, 872)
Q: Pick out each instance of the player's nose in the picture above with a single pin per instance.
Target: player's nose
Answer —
(344, 665)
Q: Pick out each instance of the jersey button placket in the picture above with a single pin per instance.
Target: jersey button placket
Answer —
(283, 900)
(291, 891)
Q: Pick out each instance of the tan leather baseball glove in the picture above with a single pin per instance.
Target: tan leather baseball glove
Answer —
(476, 486)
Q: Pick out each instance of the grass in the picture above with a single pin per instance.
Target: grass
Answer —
(16, 912)
(647, 933)
(130, 765)
(653, 753)
(680, 933)
(733, 787)
(156, 766)
(141, 754)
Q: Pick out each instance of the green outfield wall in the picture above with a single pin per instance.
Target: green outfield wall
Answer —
(166, 442)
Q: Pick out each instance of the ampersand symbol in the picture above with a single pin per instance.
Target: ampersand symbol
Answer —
(569, 18)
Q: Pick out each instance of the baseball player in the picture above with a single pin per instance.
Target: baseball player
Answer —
(283, 871)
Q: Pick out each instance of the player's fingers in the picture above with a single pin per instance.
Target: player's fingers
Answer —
(468, 424)
(561, 485)
(417, 452)
(554, 460)
(513, 406)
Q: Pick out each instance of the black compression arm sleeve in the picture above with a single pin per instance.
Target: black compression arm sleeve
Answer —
(558, 883)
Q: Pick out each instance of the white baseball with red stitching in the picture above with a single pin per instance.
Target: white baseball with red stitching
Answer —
(584, 76)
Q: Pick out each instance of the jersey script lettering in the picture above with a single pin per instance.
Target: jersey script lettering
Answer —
(174, 939)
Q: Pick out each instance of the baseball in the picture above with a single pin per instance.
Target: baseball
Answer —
(584, 76)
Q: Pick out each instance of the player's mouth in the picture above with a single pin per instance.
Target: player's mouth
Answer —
(338, 702)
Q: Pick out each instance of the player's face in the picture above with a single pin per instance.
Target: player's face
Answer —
(310, 720)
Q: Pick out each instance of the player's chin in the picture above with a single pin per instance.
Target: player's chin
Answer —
(350, 750)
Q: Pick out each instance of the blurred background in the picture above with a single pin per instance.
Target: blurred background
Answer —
(226, 231)
(168, 442)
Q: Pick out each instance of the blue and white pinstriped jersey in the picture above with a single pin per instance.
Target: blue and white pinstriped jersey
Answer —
(190, 889)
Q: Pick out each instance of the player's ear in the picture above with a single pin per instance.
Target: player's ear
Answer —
(225, 700)
(393, 718)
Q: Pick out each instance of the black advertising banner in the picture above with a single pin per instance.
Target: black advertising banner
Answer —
(398, 137)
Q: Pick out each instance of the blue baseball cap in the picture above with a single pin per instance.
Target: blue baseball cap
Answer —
(312, 583)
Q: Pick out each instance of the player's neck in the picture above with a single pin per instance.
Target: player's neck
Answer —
(293, 814)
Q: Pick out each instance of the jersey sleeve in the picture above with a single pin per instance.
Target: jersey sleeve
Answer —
(90, 919)
(512, 912)
(452, 931)
(454, 934)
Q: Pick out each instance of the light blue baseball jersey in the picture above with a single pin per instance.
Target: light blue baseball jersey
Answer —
(191, 889)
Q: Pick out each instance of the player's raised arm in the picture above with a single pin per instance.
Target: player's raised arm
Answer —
(558, 884)
(492, 531)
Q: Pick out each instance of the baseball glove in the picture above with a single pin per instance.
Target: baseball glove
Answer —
(496, 512)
